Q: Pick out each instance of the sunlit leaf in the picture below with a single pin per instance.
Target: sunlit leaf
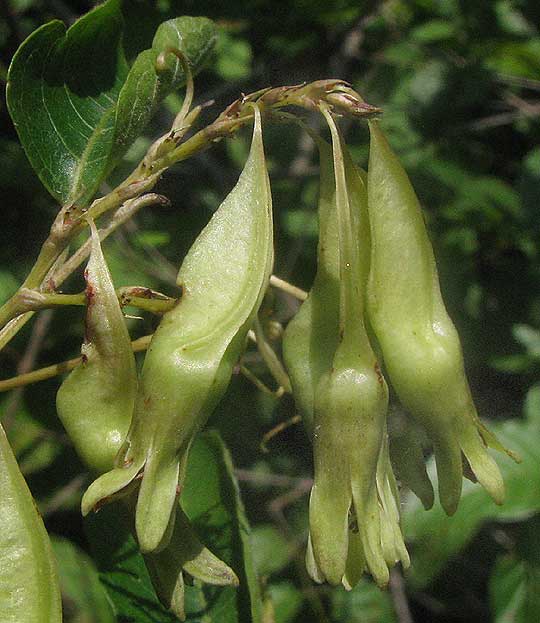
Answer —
(76, 103)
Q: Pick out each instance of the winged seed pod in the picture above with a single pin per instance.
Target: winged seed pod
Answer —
(192, 354)
(407, 455)
(95, 402)
(184, 553)
(392, 543)
(311, 337)
(29, 589)
(420, 345)
(351, 400)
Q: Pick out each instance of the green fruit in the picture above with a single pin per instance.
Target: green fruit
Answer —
(420, 345)
(95, 403)
(29, 589)
(193, 352)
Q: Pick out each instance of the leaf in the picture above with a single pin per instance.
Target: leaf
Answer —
(364, 604)
(514, 590)
(210, 498)
(234, 56)
(515, 58)
(83, 597)
(511, 20)
(528, 337)
(144, 89)
(299, 222)
(507, 590)
(8, 285)
(440, 537)
(77, 105)
(34, 445)
(512, 364)
(61, 92)
(514, 587)
(121, 568)
(433, 31)
(428, 82)
(286, 601)
(271, 550)
(531, 407)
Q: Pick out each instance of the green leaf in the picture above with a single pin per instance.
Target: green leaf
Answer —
(515, 58)
(298, 223)
(211, 500)
(439, 537)
(512, 364)
(366, 603)
(61, 92)
(286, 601)
(528, 337)
(270, 549)
(433, 31)
(507, 590)
(531, 408)
(83, 597)
(144, 88)
(512, 20)
(34, 445)
(8, 285)
(122, 569)
(514, 591)
(233, 61)
(514, 587)
(428, 82)
(77, 105)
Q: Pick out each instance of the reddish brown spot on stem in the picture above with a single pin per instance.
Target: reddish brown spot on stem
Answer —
(378, 373)
(89, 292)
(68, 216)
(144, 293)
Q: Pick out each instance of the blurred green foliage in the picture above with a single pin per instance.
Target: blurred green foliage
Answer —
(459, 83)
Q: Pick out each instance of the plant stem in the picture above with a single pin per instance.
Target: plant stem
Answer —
(10, 330)
(123, 214)
(278, 429)
(133, 296)
(165, 152)
(270, 358)
(256, 381)
(26, 363)
(49, 372)
(287, 287)
(351, 301)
